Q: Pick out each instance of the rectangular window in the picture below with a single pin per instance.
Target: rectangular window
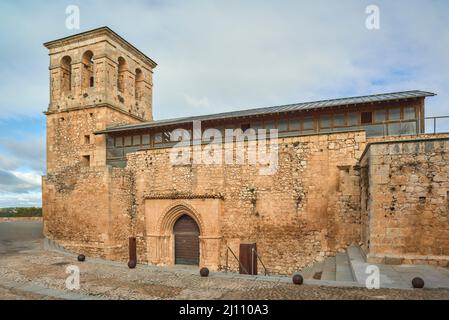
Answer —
(295, 125)
(146, 139)
(308, 124)
(270, 125)
(85, 161)
(326, 121)
(128, 141)
(409, 113)
(377, 130)
(339, 120)
(353, 119)
(401, 129)
(282, 125)
(119, 141)
(367, 117)
(136, 140)
(394, 114)
(158, 137)
(110, 142)
(87, 139)
(166, 136)
(115, 153)
(257, 125)
(380, 116)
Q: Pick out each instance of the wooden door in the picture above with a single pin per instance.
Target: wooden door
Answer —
(187, 244)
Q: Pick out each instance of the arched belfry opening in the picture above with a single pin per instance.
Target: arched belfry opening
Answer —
(187, 244)
(122, 67)
(87, 76)
(140, 85)
(66, 74)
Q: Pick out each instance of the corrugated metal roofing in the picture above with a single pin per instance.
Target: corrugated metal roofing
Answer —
(304, 106)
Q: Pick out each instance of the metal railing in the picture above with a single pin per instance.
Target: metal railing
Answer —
(227, 260)
(428, 125)
(254, 252)
(434, 125)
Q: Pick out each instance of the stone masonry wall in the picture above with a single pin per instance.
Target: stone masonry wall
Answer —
(405, 201)
(308, 209)
(86, 206)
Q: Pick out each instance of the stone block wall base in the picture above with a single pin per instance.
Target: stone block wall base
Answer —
(442, 261)
(93, 250)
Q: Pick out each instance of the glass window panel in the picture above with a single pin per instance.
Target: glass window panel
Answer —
(283, 125)
(166, 136)
(380, 116)
(394, 129)
(326, 121)
(257, 125)
(146, 139)
(130, 150)
(339, 120)
(128, 141)
(408, 128)
(295, 124)
(367, 117)
(394, 114)
(270, 125)
(136, 141)
(377, 130)
(115, 153)
(353, 119)
(308, 123)
(110, 142)
(158, 137)
(119, 141)
(409, 113)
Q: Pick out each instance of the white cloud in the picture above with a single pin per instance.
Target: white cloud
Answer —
(242, 54)
(32, 178)
(201, 103)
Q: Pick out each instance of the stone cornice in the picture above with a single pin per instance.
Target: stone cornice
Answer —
(103, 31)
(179, 195)
(102, 105)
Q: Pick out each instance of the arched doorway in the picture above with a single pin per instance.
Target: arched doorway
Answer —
(187, 244)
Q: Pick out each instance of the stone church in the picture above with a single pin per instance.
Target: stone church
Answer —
(351, 171)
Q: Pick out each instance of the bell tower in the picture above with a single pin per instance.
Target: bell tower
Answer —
(97, 80)
(97, 68)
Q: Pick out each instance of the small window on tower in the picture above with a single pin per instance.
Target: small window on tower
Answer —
(91, 82)
(85, 161)
(87, 139)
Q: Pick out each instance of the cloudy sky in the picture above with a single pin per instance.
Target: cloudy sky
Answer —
(218, 56)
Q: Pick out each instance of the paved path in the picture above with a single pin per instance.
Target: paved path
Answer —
(16, 236)
(27, 271)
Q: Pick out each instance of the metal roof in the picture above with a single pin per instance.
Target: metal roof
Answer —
(304, 106)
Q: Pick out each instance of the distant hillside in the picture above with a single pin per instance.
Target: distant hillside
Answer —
(20, 212)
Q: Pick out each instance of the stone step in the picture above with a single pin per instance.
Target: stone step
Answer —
(317, 269)
(343, 268)
(357, 263)
(329, 269)
(307, 272)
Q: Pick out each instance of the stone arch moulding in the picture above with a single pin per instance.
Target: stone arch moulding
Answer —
(173, 213)
(160, 217)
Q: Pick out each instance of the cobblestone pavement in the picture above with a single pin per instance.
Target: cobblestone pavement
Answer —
(14, 294)
(116, 281)
(31, 264)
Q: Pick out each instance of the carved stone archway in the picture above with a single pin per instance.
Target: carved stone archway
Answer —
(161, 216)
